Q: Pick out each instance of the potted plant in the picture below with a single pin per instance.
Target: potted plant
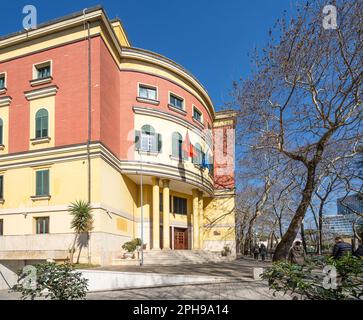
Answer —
(226, 251)
(130, 248)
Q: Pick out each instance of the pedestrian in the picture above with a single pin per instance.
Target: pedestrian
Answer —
(341, 248)
(297, 253)
(256, 251)
(263, 251)
(359, 252)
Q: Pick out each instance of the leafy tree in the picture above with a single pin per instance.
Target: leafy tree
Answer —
(55, 282)
(82, 222)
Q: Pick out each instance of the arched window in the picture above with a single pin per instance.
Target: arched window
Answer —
(1, 132)
(177, 142)
(41, 124)
(148, 139)
(197, 159)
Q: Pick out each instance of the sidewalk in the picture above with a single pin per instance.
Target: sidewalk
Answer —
(241, 269)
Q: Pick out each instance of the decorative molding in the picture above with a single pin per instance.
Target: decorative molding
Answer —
(170, 117)
(5, 101)
(38, 82)
(40, 140)
(3, 91)
(41, 93)
(144, 100)
(40, 198)
(175, 109)
(2, 147)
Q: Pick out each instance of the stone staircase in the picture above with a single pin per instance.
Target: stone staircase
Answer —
(177, 257)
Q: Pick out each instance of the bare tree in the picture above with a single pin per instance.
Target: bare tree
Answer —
(305, 96)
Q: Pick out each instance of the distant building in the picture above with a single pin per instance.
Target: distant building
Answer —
(342, 223)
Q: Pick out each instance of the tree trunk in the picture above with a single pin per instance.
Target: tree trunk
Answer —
(71, 258)
(287, 240)
(320, 233)
(303, 239)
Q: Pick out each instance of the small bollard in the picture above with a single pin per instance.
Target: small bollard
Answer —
(256, 273)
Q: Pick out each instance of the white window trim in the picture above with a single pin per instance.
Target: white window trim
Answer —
(201, 114)
(150, 86)
(171, 93)
(5, 81)
(40, 64)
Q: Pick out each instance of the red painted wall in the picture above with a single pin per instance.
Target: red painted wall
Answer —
(110, 101)
(70, 74)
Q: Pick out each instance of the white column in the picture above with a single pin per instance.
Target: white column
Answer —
(156, 213)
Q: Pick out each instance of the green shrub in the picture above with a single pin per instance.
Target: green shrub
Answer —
(307, 280)
(53, 281)
(132, 245)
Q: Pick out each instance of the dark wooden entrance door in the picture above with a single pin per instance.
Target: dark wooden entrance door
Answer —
(180, 239)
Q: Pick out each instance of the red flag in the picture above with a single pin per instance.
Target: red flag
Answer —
(188, 148)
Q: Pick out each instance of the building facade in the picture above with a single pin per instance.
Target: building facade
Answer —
(348, 209)
(85, 116)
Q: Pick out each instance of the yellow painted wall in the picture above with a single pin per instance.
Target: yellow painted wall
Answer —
(220, 215)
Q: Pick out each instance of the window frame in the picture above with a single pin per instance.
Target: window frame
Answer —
(177, 97)
(39, 65)
(1, 132)
(147, 86)
(1, 227)
(3, 75)
(197, 110)
(41, 129)
(2, 187)
(174, 198)
(45, 227)
(42, 194)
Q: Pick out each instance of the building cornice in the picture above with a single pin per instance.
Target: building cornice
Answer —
(157, 59)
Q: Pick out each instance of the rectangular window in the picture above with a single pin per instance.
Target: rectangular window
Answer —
(2, 81)
(180, 205)
(1, 187)
(197, 115)
(43, 71)
(176, 102)
(42, 225)
(42, 183)
(1, 227)
(147, 92)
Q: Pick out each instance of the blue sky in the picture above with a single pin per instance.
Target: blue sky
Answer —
(210, 38)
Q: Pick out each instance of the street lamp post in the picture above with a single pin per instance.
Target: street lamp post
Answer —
(142, 213)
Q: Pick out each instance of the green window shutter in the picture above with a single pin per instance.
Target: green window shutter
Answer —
(44, 126)
(1, 187)
(46, 182)
(38, 128)
(38, 182)
(137, 140)
(1, 131)
(159, 142)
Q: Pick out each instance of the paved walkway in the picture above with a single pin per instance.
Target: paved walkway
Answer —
(239, 283)
(220, 291)
(238, 269)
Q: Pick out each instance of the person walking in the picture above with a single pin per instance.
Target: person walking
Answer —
(340, 248)
(256, 251)
(263, 251)
(359, 252)
(297, 253)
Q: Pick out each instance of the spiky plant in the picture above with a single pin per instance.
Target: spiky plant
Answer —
(82, 221)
